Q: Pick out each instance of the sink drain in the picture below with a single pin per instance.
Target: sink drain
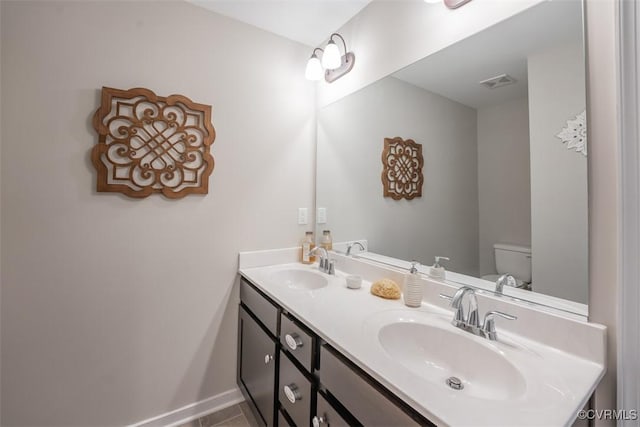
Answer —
(455, 383)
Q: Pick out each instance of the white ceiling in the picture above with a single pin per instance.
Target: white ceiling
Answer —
(453, 72)
(456, 71)
(306, 21)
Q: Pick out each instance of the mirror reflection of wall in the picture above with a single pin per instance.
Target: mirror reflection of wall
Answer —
(494, 170)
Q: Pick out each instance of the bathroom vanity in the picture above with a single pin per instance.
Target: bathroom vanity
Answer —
(313, 352)
(294, 377)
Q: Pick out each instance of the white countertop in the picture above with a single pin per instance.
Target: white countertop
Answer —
(557, 383)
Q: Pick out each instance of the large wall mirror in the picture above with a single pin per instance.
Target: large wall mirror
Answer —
(505, 165)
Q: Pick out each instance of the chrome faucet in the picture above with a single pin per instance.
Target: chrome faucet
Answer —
(461, 319)
(468, 321)
(325, 264)
(505, 279)
(351, 245)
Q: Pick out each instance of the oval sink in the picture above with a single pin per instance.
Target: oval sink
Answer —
(436, 354)
(300, 279)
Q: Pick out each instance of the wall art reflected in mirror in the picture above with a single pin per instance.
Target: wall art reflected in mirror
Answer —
(500, 119)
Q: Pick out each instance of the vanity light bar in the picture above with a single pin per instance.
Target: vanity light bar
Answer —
(331, 64)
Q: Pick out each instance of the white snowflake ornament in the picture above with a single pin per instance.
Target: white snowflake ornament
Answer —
(574, 134)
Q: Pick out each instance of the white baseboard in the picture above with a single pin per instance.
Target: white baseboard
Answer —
(193, 411)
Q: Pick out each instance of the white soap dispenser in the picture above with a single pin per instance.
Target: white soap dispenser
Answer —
(436, 271)
(412, 287)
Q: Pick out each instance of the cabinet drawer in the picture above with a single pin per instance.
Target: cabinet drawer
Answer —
(260, 306)
(327, 416)
(370, 406)
(298, 341)
(295, 392)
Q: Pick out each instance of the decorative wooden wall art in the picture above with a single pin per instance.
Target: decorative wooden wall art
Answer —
(151, 144)
(402, 168)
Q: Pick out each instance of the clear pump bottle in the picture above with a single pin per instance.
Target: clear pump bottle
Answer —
(306, 245)
(326, 241)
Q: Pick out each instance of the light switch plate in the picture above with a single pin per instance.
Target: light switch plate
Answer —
(322, 215)
(303, 215)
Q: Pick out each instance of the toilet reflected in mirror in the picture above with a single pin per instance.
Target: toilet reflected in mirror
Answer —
(514, 260)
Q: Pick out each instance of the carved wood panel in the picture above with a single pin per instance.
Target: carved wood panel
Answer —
(402, 168)
(152, 144)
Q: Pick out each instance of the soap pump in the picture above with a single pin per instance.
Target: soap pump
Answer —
(412, 287)
(436, 271)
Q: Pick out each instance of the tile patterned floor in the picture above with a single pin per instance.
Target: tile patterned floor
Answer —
(239, 415)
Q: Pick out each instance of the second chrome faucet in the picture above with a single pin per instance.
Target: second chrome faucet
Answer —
(352, 244)
(469, 320)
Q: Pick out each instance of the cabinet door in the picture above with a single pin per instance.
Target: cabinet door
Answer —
(327, 416)
(257, 365)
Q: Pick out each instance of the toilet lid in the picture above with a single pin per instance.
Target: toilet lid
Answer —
(494, 277)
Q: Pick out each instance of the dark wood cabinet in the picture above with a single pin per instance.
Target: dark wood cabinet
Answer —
(328, 416)
(369, 402)
(298, 342)
(291, 378)
(257, 366)
(295, 392)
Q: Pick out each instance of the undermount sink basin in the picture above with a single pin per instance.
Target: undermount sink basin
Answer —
(436, 354)
(300, 279)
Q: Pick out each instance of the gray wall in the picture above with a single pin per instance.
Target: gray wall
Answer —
(504, 187)
(558, 176)
(115, 310)
(444, 221)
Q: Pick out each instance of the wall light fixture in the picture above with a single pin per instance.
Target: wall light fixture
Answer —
(333, 65)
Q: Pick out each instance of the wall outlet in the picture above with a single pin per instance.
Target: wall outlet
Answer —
(303, 216)
(322, 215)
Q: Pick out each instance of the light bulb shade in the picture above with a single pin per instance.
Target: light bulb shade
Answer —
(331, 58)
(314, 69)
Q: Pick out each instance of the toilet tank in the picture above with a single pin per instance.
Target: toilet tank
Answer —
(514, 260)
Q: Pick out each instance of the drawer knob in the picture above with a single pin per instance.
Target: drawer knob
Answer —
(293, 341)
(319, 420)
(267, 358)
(292, 393)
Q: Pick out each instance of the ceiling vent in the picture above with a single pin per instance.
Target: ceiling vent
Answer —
(497, 81)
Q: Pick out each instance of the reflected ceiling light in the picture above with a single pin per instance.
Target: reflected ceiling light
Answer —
(334, 65)
(451, 4)
(454, 4)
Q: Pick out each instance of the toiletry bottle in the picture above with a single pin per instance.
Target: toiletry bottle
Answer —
(412, 287)
(436, 271)
(326, 241)
(307, 245)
